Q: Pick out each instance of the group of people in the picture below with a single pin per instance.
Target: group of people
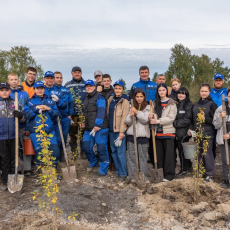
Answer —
(108, 121)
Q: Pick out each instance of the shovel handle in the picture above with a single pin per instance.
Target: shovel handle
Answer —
(135, 140)
(225, 129)
(63, 142)
(154, 139)
(16, 133)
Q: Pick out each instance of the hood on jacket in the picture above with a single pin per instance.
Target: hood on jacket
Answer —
(206, 100)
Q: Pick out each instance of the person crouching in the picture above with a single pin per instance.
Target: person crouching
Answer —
(96, 129)
(7, 134)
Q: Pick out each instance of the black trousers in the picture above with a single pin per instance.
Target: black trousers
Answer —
(184, 163)
(7, 158)
(166, 157)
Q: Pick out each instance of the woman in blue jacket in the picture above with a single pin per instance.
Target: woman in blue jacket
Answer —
(40, 103)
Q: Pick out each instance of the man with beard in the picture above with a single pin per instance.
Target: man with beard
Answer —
(216, 94)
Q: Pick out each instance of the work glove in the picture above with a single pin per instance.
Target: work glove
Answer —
(40, 111)
(18, 114)
(92, 133)
(55, 98)
(118, 142)
(72, 122)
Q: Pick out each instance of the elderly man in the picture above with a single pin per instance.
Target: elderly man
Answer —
(77, 88)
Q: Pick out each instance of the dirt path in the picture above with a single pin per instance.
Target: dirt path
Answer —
(106, 203)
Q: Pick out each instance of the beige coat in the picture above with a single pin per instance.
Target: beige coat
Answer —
(168, 116)
(218, 123)
(120, 113)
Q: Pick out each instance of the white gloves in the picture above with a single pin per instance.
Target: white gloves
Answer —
(72, 122)
(55, 98)
(118, 142)
(92, 133)
(40, 111)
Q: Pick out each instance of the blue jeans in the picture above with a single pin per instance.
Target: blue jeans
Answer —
(119, 154)
(101, 139)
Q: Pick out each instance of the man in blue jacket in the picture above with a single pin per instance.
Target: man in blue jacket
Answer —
(7, 134)
(96, 128)
(77, 88)
(57, 96)
(24, 133)
(145, 84)
(216, 95)
(41, 103)
(65, 113)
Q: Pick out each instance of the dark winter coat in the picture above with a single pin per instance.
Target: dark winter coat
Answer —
(173, 95)
(183, 119)
(95, 111)
(209, 107)
(7, 121)
(107, 93)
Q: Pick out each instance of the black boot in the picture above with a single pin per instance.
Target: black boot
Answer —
(59, 177)
(62, 156)
(225, 184)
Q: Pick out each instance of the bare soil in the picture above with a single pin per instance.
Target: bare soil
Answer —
(107, 203)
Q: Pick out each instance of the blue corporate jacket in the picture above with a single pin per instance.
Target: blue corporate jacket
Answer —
(31, 113)
(69, 111)
(7, 121)
(216, 95)
(148, 87)
(61, 104)
(23, 96)
(77, 88)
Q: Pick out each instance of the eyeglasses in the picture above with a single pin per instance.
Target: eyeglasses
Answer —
(182, 93)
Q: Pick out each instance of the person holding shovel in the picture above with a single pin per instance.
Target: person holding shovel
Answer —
(165, 111)
(40, 103)
(141, 110)
(118, 109)
(218, 123)
(7, 134)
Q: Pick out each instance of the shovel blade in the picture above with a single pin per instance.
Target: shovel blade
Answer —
(15, 183)
(69, 175)
(139, 177)
(157, 175)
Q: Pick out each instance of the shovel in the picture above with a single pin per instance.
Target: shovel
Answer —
(139, 177)
(156, 174)
(69, 172)
(225, 131)
(15, 181)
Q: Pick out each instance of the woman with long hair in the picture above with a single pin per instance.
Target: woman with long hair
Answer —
(182, 123)
(165, 111)
(141, 111)
(206, 104)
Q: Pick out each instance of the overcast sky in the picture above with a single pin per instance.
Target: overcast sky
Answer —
(115, 36)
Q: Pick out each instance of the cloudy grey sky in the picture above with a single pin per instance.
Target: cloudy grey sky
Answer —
(115, 36)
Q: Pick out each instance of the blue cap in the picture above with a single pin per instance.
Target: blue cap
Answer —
(49, 73)
(89, 82)
(119, 82)
(218, 75)
(39, 84)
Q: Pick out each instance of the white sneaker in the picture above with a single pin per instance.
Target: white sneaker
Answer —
(208, 179)
(165, 180)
